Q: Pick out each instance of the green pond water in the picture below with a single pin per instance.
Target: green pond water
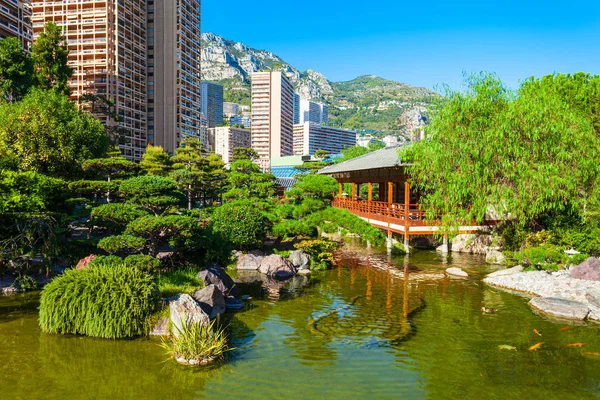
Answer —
(373, 327)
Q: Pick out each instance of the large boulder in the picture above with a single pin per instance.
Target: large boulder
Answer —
(213, 274)
(250, 261)
(300, 259)
(494, 256)
(184, 311)
(588, 270)
(211, 300)
(560, 308)
(277, 267)
(472, 243)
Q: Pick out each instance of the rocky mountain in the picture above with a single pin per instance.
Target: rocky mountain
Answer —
(367, 102)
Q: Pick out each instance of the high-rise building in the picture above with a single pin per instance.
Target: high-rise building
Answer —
(272, 116)
(107, 44)
(296, 108)
(15, 21)
(174, 85)
(212, 103)
(310, 137)
(316, 113)
(230, 109)
(228, 138)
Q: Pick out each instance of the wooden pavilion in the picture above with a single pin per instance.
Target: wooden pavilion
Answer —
(388, 201)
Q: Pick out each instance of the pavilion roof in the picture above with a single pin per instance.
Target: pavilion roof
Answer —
(384, 158)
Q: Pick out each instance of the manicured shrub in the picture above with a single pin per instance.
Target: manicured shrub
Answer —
(348, 221)
(289, 228)
(112, 302)
(120, 243)
(320, 251)
(154, 193)
(241, 223)
(140, 262)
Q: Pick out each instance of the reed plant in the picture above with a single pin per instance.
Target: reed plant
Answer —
(197, 343)
(112, 302)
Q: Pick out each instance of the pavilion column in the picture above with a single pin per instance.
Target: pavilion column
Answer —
(406, 213)
(369, 198)
(353, 191)
(341, 189)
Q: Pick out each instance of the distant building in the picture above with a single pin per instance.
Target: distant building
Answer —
(310, 137)
(227, 138)
(316, 113)
(364, 140)
(230, 109)
(243, 120)
(15, 21)
(390, 140)
(272, 116)
(285, 170)
(212, 103)
(296, 108)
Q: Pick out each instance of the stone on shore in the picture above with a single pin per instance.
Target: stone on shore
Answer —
(277, 267)
(211, 300)
(588, 270)
(233, 304)
(250, 261)
(300, 259)
(184, 311)
(560, 308)
(303, 272)
(456, 272)
(213, 274)
(508, 271)
(471, 243)
(161, 328)
(494, 256)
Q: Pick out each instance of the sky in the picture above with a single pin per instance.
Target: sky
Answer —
(422, 43)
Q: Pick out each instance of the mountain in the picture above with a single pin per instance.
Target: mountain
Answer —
(367, 102)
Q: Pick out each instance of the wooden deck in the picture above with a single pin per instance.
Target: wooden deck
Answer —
(396, 217)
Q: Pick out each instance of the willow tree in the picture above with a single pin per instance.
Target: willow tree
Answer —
(521, 154)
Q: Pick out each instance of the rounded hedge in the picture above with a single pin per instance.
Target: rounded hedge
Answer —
(112, 302)
(240, 222)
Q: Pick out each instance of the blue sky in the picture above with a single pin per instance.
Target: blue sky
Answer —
(420, 43)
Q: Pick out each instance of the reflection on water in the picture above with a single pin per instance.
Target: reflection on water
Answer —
(372, 327)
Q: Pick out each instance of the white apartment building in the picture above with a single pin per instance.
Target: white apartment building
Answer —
(316, 113)
(226, 139)
(310, 137)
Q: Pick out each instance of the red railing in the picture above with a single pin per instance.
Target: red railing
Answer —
(382, 210)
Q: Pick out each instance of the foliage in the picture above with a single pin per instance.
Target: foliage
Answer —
(179, 281)
(522, 155)
(241, 223)
(121, 243)
(29, 192)
(289, 228)
(197, 341)
(118, 213)
(140, 262)
(156, 161)
(111, 302)
(334, 217)
(246, 181)
(50, 55)
(112, 167)
(320, 251)
(313, 186)
(46, 133)
(244, 153)
(357, 150)
(159, 230)
(16, 70)
(93, 189)
(104, 107)
(154, 193)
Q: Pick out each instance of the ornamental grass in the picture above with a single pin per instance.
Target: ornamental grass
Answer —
(197, 343)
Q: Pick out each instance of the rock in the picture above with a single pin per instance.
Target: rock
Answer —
(277, 267)
(494, 256)
(161, 328)
(471, 243)
(85, 262)
(185, 310)
(300, 259)
(456, 272)
(588, 270)
(233, 304)
(250, 261)
(164, 255)
(508, 271)
(304, 272)
(215, 275)
(237, 254)
(211, 300)
(560, 308)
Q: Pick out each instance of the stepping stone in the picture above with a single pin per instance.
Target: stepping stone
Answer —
(505, 272)
(456, 272)
(560, 308)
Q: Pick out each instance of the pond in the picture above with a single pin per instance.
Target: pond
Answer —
(372, 327)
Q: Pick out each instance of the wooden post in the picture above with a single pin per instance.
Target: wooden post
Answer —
(341, 185)
(353, 191)
(369, 199)
(406, 213)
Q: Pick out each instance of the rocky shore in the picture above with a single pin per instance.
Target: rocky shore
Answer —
(560, 294)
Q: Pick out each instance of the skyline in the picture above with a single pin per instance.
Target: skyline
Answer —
(521, 39)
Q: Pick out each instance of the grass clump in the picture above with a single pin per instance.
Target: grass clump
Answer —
(112, 302)
(197, 343)
(179, 281)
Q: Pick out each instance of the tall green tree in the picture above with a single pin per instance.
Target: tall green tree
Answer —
(45, 132)
(246, 180)
(50, 57)
(520, 154)
(156, 161)
(16, 70)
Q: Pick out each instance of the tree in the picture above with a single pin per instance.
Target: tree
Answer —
(154, 193)
(522, 154)
(241, 223)
(100, 105)
(156, 161)
(16, 70)
(113, 166)
(321, 154)
(45, 132)
(50, 57)
(246, 180)
(189, 168)
(244, 153)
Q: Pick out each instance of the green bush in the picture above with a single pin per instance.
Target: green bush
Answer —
(179, 281)
(241, 223)
(289, 228)
(320, 251)
(201, 342)
(154, 193)
(140, 262)
(111, 302)
(121, 243)
(30, 192)
(348, 221)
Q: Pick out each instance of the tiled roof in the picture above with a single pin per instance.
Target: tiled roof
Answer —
(384, 158)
